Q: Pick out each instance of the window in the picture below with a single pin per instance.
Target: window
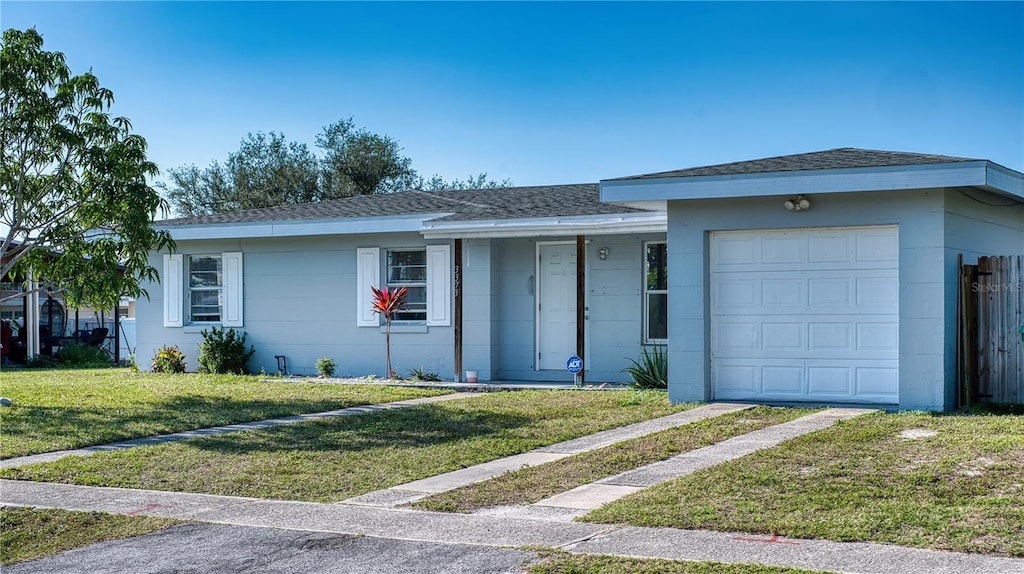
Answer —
(655, 292)
(205, 288)
(408, 268)
(427, 274)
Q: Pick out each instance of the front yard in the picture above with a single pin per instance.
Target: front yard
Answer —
(534, 483)
(951, 482)
(62, 409)
(331, 460)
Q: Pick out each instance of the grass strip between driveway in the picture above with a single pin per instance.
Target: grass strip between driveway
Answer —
(331, 460)
(559, 562)
(949, 482)
(30, 533)
(60, 409)
(531, 484)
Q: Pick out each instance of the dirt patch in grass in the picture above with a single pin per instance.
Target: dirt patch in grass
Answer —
(529, 485)
(64, 408)
(331, 460)
(30, 533)
(861, 480)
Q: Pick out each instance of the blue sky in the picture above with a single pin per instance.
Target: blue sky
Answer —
(557, 93)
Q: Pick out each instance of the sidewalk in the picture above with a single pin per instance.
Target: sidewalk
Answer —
(503, 531)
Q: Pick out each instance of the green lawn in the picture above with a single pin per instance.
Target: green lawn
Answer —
(61, 409)
(557, 562)
(528, 485)
(330, 460)
(29, 533)
(862, 480)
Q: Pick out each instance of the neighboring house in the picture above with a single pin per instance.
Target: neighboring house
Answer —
(827, 277)
(296, 280)
(823, 277)
(47, 314)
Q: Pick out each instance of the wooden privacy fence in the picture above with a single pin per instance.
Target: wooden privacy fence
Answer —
(990, 329)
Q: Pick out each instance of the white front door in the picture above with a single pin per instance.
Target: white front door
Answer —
(556, 305)
(806, 315)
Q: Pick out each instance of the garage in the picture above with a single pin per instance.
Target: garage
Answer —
(805, 315)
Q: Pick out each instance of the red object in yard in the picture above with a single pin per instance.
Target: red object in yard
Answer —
(6, 337)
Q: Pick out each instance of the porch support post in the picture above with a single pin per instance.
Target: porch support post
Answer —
(117, 332)
(581, 301)
(32, 318)
(457, 286)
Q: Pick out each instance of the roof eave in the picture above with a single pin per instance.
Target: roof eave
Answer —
(981, 173)
(300, 228)
(548, 226)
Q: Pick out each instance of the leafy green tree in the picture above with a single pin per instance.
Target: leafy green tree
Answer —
(479, 181)
(267, 170)
(75, 205)
(357, 162)
(199, 192)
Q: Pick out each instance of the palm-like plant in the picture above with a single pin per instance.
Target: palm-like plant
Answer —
(387, 303)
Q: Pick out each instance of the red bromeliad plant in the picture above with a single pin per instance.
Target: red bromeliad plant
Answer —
(387, 303)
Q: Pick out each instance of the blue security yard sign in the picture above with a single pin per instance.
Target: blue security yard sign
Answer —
(574, 365)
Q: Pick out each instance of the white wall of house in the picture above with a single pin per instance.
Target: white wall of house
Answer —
(300, 301)
(924, 381)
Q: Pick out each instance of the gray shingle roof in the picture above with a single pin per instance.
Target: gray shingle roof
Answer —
(840, 158)
(467, 205)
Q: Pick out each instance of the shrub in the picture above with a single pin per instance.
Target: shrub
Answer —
(223, 351)
(79, 355)
(325, 367)
(169, 360)
(651, 370)
(41, 362)
(422, 375)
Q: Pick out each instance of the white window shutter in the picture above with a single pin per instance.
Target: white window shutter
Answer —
(174, 288)
(439, 285)
(367, 275)
(232, 300)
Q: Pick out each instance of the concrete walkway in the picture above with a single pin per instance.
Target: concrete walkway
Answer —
(419, 489)
(186, 435)
(583, 499)
(503, 531)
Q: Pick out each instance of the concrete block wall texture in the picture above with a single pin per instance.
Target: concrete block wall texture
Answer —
(934, 225)
(300, 301)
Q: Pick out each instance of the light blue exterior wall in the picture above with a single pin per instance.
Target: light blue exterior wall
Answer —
(614, 298)
(300, 301)
(976, 224)
(919, 215)
(934, 225)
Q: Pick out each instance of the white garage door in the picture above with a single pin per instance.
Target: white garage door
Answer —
(806, 315)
